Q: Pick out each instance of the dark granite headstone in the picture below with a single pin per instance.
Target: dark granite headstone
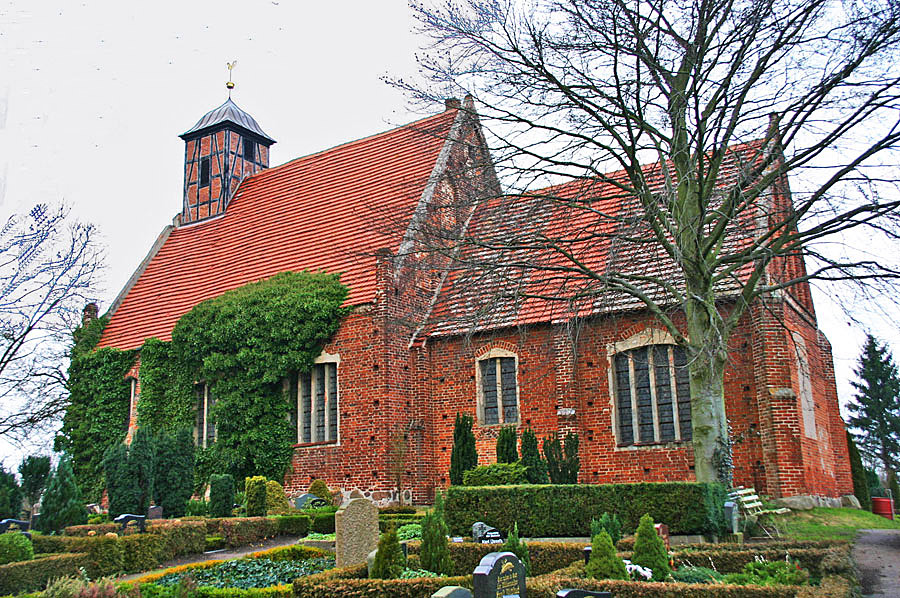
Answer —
(9, 524)
(582, 594)
(155, 512)
(587, 554)
(499, 575)
(309, 501)
(453, 592)
(485, 534)
(125, 518)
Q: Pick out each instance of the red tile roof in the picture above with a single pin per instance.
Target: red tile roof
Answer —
(498, 283)
(316, 212)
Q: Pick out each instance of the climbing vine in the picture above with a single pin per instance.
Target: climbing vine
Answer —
(242, 345)
(97, 414)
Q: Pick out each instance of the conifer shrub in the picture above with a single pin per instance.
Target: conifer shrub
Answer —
(276, 500)
(173, 481)
(535, 467)
(61, 505)
(10, 495)
(609, 522)
(507, 451)
(562, 458)
(15, 547)
(517, 547)
(320, 489)
(435, 553)
(495, 474)
(255, 491)
(389, 560)
(650, 550)
(604, 563)
(464, 455)
(858, 473)
(221, 495)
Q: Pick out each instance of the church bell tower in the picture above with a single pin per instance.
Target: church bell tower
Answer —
(224, 146)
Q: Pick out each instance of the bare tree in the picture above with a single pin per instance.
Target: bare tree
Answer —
(726, 99)
(48, 265)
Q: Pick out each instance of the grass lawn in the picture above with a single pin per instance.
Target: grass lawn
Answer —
(832, 524)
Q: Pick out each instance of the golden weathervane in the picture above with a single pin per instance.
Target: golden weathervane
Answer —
(230, 84)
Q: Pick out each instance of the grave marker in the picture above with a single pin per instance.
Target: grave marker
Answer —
(355, 532)
(452, 592)
(499, 575)
(570, 593)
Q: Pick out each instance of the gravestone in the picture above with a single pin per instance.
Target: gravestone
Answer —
(155, 512)
(309, 501)
(499, 575)
(570, 593)
(9, 524)
(485, 534)
(125, 518)
(662, 530)
(453, 592)
(355, 532)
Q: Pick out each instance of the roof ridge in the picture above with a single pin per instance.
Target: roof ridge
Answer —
(266, 171)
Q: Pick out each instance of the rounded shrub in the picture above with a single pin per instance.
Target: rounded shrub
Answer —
(221, 495)
(15, 547)
(650, 550)
(255, 490)
(604, 562)
(276, 500)
(320, 489)
(495, 474)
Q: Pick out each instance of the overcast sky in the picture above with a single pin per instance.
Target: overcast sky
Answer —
(94, 94)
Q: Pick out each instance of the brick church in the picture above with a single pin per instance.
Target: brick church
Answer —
(396, 368)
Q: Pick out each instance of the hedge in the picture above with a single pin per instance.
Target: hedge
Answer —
(351, 582)
(545, 557)
(386, 520)
(155, 591)
(323, 523)
(294, 525)
(566, 509)
(819, 561)
(34, 574)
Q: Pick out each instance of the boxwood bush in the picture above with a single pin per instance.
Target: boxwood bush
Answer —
(495, 474)
(26, 576)
(566, 509)
(15, 547)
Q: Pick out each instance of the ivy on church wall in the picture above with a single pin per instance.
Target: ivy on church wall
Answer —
(242, 345)
(97, 414)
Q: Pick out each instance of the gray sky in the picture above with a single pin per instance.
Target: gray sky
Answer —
(93, 95)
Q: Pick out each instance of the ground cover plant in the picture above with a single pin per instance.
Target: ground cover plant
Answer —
(250, 573)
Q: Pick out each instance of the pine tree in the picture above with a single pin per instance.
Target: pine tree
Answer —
(464, 455)
(434, 554)
(876, 412)
(535, 467)
(858, 473)
(650, 550)
(62, 504)
(604, 562)
(35, 472)
(507, 452)
(389, 561)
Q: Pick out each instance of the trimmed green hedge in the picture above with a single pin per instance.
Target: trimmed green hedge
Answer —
(293, 525)
(495, 474)
(351, 582)
(545, 557)
(322, 523)
(34, 574)
(386, 520)
(246, 530)
(566, 509)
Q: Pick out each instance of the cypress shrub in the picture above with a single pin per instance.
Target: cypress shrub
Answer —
(520, 549)
(141, 462)
(435, 554)
(610, 523)
(221, 495)
(562, 458)
(276, 500)
(858, 472)
(173, 482)
(320, 489)
(61, 505)
(389, 561)
(604, 563)
(464, 455)
(255, 491)
(121, 486)
(507, 452)
(10, 495)
(535, 467)
(650, 550)
(495, 474)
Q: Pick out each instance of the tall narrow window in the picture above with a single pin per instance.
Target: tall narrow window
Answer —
(498, 396)
(249, 150)
(317, 404)
(652, 395)
(204, 172)
(204, 424)
(132, 403)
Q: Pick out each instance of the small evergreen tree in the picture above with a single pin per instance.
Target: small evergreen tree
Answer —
(650, 550)
(35, 472)
(221, 495)
(535, 467)
(507, 452)
(255, 495)
(895, 488)
(276, 500)
(562, 461)
(858, 473)
(876, 409)
(141, 464)
(121, 486)
(439, 505)
(62, 504)
(518, 548)
(464, 455)
(604, 563)
(434, 554)
(389, 560)
(180, 477)
(10, 495)
(609, 523)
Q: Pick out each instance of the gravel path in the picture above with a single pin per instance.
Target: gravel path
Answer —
(877, 554)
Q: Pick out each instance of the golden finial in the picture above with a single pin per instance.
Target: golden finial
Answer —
(230, 84)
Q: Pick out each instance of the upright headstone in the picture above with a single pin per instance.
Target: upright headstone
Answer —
(499, 575)
(452, 592)
(155, 512)
(570, 593)
(355, 532)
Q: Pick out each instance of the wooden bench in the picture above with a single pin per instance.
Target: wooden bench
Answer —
(751, 506)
